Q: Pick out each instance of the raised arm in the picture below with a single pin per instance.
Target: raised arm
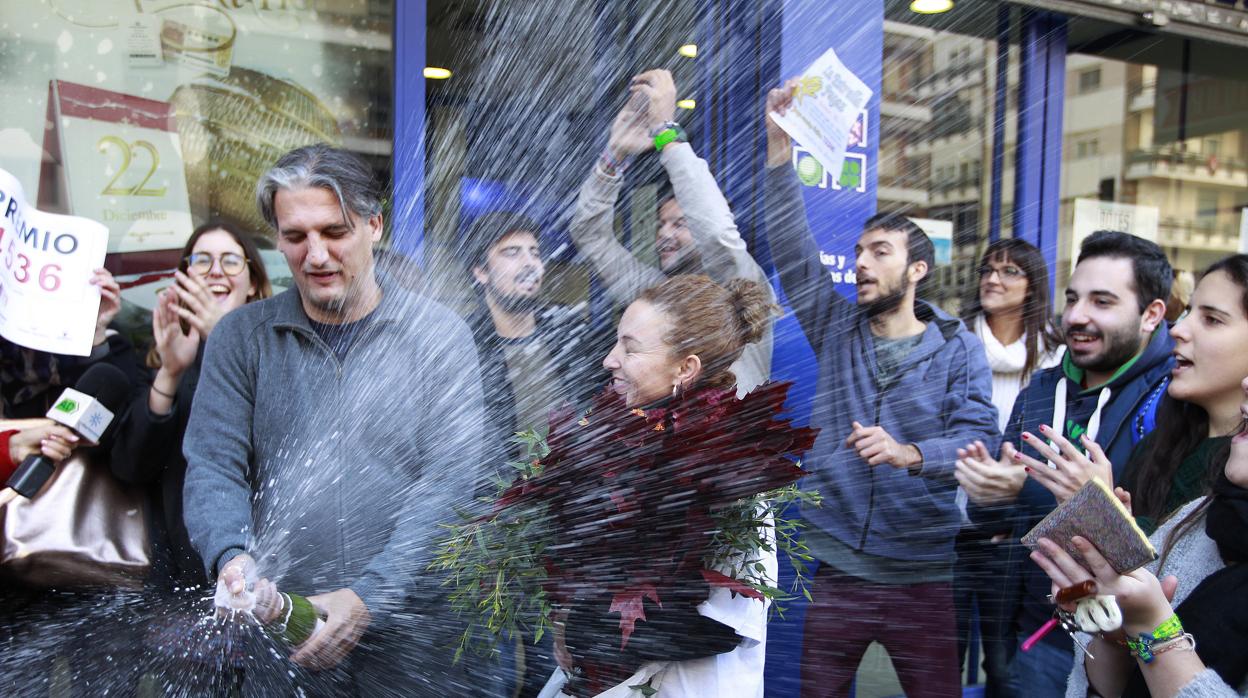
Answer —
(810, 290)
(593, 220)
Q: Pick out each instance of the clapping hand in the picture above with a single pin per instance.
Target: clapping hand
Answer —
(1071, 468)
(989, 481)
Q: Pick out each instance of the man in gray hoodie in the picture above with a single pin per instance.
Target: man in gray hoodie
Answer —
(334, 427)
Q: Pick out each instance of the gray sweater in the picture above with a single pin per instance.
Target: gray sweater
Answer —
(1192, 557)
(335, 475)
(724, 254)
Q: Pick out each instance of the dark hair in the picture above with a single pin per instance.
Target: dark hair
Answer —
(1039, 335)
(919, 247)
(1181, 426)
(711, 321)
(342, 172)
(489, 229)
(255, 266)
(1153, 274)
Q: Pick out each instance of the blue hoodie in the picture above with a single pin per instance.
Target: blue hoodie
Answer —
(1111, 409)
(939, 400)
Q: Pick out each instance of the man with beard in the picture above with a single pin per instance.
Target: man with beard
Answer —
(696, 233)
(900, 386)
(1118, 354)
(328, 443)
(534, 356)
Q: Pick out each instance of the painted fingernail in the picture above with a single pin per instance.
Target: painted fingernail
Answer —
(1027, 468)
(1027, 436)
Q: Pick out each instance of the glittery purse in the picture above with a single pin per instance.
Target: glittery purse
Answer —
(85, 528)
(1095, 514)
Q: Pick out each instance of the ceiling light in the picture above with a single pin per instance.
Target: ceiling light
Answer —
(437, 73)
(688, 50)
(930, 7)
(686, 104)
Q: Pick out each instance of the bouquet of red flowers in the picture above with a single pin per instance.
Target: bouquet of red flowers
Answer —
(623, 506)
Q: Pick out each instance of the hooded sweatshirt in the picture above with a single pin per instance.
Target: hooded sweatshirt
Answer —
(1057, 396)
(939, 399)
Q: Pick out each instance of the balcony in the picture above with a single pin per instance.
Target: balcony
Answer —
(1142, 96)
(950, 79)
(956, 190)
(1204, 235)
(908, 188)
(1169, 162)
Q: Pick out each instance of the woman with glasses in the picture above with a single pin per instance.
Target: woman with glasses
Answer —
(220, 271)
(1009, 311)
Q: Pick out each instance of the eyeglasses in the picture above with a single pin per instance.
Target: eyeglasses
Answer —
(1009, 271)
(232, 264)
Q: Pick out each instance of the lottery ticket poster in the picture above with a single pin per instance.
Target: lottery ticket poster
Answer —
(827, 105)
(116, 158)
(47, 302)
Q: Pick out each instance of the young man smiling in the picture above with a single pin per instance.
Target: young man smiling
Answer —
(534, 355)
(900, 387)
(1117, 354)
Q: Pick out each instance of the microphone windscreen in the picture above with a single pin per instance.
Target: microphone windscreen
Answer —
(107, 384)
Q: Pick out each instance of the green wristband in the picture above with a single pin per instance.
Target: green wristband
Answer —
(670, 133)
(1142, 646)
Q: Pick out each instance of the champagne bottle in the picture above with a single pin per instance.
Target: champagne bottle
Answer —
(297, 620)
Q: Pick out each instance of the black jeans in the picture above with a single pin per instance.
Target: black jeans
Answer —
(979, 579)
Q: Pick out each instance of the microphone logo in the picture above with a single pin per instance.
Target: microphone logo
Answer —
(67, 405)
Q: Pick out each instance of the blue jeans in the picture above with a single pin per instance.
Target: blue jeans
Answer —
(1043, 670)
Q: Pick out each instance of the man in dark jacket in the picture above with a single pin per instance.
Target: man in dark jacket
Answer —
(1118, 352)
(534, 356)
(900, 384)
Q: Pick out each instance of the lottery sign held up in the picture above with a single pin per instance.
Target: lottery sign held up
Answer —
(46, 261)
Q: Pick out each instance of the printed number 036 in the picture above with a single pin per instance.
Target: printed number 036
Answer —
(127, 155)
(48, 275)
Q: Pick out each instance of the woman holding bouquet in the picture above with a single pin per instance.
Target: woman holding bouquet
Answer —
(641, 495)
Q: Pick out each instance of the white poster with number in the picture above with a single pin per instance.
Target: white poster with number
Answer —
(46, 260)
(121, 164)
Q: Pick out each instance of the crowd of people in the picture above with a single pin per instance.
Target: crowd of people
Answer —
(316, 443)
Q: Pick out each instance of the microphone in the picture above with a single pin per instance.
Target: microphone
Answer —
(88, 409)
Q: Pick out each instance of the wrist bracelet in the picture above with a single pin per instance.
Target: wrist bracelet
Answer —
(616, 166)
(161, 392)
(1142, 646)
(1185, 641)
(669, 132)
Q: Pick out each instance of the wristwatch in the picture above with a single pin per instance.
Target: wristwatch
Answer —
(668, 132)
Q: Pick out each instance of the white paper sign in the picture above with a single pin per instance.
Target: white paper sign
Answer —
(46, 260)
(828, 101)
(1092, 215)
(1243, 230)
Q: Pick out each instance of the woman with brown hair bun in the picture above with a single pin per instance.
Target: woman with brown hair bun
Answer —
(654, 514)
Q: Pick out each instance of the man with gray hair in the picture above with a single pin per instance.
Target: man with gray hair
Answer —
(335, 426)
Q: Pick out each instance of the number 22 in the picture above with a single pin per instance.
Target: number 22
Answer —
(127, 154)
